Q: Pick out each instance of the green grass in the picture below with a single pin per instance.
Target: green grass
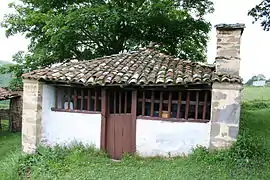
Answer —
(8, 143)
(4, 126)
(256, 93)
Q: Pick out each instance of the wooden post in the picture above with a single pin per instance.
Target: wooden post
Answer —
(152, 104)
(96, 100)
(104, 112)
(134, 120)
(82, 95)
(179, 105)
(10, 122)
(197, 105)
(160, 103)
(143, 104)
(69, 94)
(125, 106)
(89, 100)
(170, 105)
(187, 105)
(204, 105)
(120, 102)
(56, 98)
(75, 99)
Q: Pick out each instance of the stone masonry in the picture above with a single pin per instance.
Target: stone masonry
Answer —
(32, 114)
(226, 97)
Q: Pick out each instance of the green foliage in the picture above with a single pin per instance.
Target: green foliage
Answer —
(5, 77)
(256, 104)
(63, 30)
(15, 70)
(260, 13)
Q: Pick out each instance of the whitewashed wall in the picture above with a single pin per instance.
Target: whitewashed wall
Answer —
(65, 128)
(160, 138)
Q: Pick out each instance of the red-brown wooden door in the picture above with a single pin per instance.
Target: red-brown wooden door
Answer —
(119, 132)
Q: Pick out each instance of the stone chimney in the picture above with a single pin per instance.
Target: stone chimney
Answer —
(228, 48)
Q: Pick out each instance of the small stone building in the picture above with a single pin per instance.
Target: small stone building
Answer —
(141, 102)
(14, 111)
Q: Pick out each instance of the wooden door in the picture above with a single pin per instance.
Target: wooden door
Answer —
(118, 135)
(119, 131)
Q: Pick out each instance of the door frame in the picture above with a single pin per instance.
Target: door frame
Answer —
(104, 118)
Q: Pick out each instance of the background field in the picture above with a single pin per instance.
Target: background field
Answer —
(256, 93)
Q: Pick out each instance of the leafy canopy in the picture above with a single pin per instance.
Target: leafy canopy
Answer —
(62, 30)
(261, 13)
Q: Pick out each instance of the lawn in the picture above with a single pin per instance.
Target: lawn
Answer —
(249, 158)
(8, 143)
(258, 93)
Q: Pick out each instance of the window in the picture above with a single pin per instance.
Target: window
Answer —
(119, 101)
(184, 105)
(77, 99)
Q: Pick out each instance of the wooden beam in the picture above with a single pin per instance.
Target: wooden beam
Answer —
(152, 103)
(125, 111)
(75, 99)
(56, 97)
(160, 103)
(114, 103)
(170, 104)
(89, 100)
(197, 105)
(96, 100)
(143, 104)
(120, 102)
(187, 105)
(69, 94)
(179, 105)
(204, 105)
(82, 99)
(134, 120)
(174, 102)
(104, 112)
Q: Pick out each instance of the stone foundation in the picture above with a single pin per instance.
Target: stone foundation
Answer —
(225, 114)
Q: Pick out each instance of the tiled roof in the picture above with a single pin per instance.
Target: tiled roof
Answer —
(6, 94)
(143, 67)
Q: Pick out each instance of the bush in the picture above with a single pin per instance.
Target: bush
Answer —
(256, 105)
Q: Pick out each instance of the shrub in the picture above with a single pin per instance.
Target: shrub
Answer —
(256, 105)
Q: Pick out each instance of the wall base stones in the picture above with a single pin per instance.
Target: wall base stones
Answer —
(32, 114)
(225, 114)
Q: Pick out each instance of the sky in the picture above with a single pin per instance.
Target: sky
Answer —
(254, 45)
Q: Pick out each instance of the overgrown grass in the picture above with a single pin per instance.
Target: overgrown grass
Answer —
(4, 126)
(10, 153)
(248, 159)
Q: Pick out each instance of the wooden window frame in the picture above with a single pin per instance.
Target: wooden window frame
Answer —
(120, 98)
(92, 94)
(204, 105)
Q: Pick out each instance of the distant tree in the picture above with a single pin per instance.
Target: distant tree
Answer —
(15, 70)
(261, 13)
(259, 77)
(61, 30)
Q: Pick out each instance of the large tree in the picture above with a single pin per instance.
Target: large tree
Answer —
(261, 13)
(61, 30)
